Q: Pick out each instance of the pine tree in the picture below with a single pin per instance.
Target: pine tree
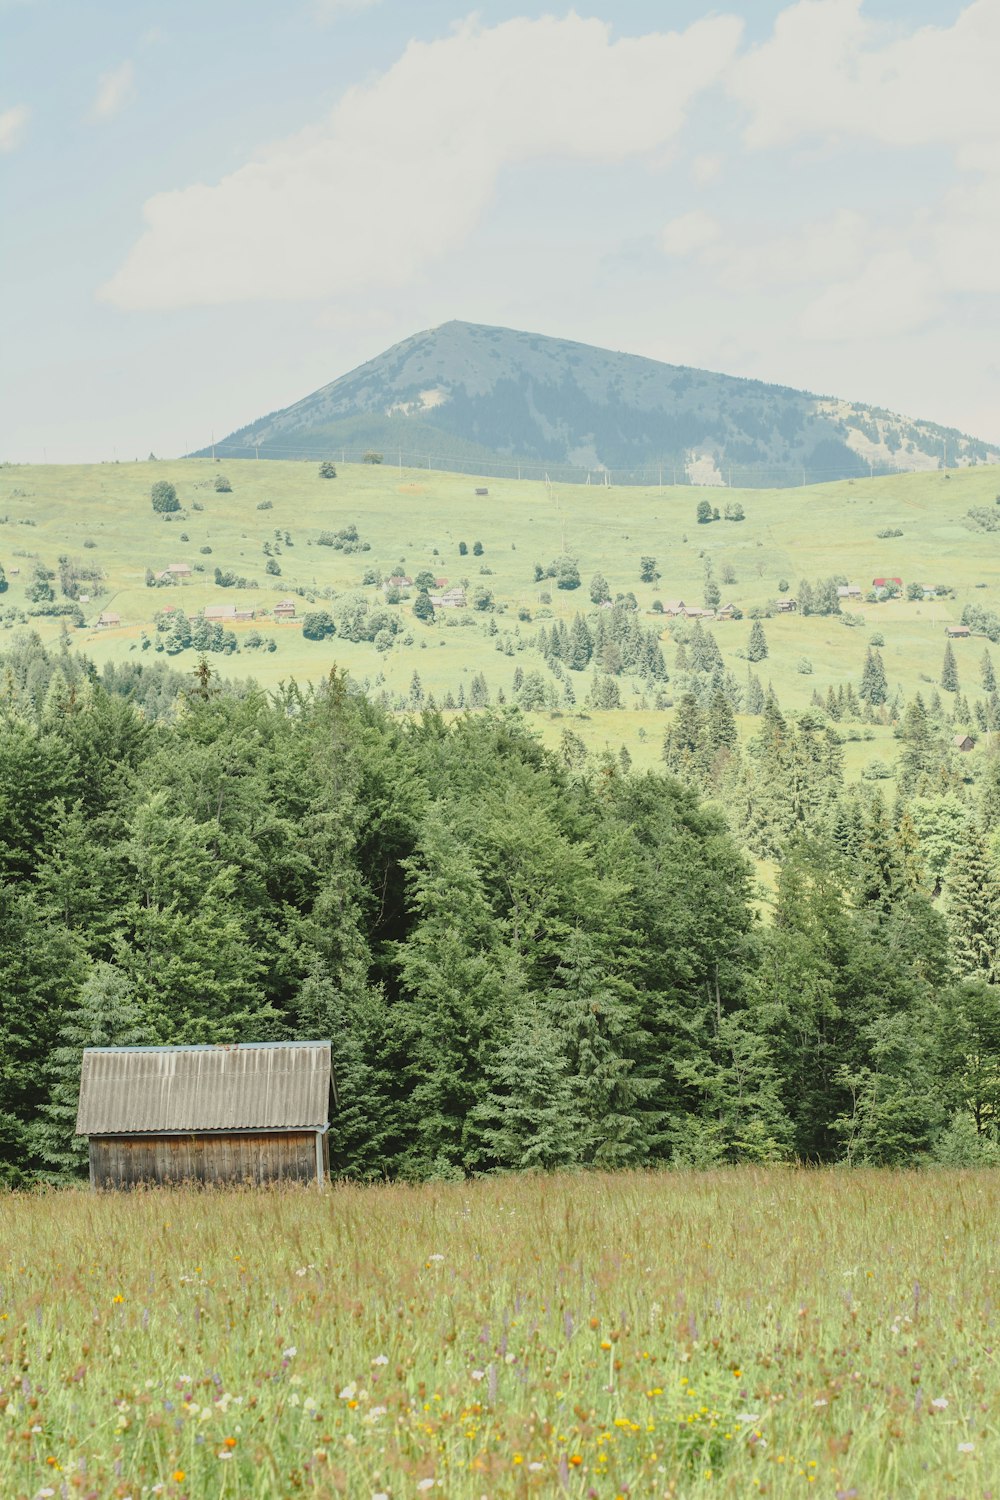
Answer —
(949, 670)
(529, 1118)
(755, 696)
(580, 645)
(599, 590)
(880, 878)
(973, 902)
(987, 676)
(874, 687)
(757, 644)
(107, 1013)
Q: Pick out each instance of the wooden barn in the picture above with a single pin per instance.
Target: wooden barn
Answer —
(256, 1113)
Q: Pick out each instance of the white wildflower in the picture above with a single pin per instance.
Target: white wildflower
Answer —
(966, 1447)
(478, 1374)
(940, 1403)
(289, 1353)
(381, 1359)
(349, 1392)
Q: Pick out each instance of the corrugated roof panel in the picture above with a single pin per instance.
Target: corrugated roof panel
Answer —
(259, 1086)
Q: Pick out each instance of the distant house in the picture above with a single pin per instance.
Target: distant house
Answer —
(963, 742)
(881, 583)
(958, 632)
(284, 609)
(451, 599)
(440, 583)
(108, 621)
(398, 581)
(786, 606)
(179, 570)
(674, 607)
(245, 614)
(257, 1112)
(482, 491)
(849, 591)
(220, 612)
(725, 612)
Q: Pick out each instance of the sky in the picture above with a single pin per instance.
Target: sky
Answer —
(210, 208)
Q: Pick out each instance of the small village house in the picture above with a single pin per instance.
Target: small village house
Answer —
(849, 591)
(107, 620)
(963, 742)
(881, 583)
(220, 612)
(958, 632)
(482, 491)
(284, 609)
(256, 1112)
(786, 606)
(179, 570)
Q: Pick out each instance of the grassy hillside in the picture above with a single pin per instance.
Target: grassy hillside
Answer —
(414, 519)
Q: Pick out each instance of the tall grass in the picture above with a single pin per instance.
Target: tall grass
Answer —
(729, 1333)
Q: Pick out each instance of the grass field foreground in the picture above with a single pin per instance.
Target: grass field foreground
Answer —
(733, 1333)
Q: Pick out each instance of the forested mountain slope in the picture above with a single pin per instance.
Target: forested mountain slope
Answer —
(495, 400)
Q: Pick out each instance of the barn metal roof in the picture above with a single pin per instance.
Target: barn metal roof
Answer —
(255, 1086)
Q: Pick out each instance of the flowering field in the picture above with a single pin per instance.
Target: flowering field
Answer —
(772, 1332)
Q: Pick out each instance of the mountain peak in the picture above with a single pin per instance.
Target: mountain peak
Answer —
(484, 399)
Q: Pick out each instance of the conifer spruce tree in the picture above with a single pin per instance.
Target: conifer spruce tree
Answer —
(874, 687)
(972, 893)
(107, 1013)
(757, 644)
(949, 670)
(529, 1118)
(987, 676)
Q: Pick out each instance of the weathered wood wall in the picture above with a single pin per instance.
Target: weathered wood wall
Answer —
(127, 1161)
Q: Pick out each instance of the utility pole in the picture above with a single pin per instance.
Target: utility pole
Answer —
(213, 445)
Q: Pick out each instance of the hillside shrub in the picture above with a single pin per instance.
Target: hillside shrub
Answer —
(372, 457)
(318, 625)
(265, 505)
(164, 497)
(327, 469)
(222, 485)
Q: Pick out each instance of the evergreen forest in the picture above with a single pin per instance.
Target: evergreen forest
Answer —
(524, 957)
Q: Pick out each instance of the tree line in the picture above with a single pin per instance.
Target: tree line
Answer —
(524, 958)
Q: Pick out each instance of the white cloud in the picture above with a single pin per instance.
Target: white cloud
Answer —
(115, 90)
(894, 293)
(12, 123)
(689, 233)
(826, 70)
(405, 166)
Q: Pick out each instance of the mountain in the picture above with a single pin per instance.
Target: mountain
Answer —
(487, 400)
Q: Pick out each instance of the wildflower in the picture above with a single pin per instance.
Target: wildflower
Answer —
(478, 1374)
(518, 1458)
(178, 1476)
(349, 1392)
(426, 1484)
(289, 1353)
(224, 1453)
(381, 1359)
(536, 1467)
(576, 1459)
(748, 1416)
(229, 1442)
(118, 1297)
(435, 1257)
(380, 1496)
(966, 1447)
(940, 1403)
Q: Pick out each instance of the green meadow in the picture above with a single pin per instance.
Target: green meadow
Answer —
(415, 519)
(774, 1332)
